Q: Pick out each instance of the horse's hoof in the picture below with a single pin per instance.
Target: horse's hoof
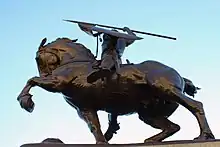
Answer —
(205, 136)
(26, 102)
(108, 136)
(150, 141)
(101, 142)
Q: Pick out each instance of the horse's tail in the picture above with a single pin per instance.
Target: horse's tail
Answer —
(190, 88)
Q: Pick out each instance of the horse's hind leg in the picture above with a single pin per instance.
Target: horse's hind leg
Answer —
(113, 126)
(196, 108)
(168, 128)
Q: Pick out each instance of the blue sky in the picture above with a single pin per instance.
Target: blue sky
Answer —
(195, 54)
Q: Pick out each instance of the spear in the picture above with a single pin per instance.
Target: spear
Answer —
(107, 26)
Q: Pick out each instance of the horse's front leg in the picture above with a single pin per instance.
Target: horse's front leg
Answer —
(92, 120)
(49, 83)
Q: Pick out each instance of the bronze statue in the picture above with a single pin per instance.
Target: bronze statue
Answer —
(150, 89)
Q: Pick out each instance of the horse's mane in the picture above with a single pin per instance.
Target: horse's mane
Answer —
(74, 43)
(63, 39)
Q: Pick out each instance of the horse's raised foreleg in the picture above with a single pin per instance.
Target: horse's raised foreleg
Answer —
(92, 120)
(49, 83)
(113, 126)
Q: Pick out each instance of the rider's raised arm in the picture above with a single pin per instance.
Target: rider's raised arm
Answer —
(129, 42)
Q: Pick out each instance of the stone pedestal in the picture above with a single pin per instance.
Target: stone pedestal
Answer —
(213, 143)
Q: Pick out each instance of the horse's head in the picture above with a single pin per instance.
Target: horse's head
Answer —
(59, 52)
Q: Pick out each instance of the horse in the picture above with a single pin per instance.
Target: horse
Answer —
(150, 89)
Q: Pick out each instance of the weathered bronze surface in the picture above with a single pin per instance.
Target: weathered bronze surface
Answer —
(150, 89)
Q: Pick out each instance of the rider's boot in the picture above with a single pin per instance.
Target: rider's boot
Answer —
(103, 72)
(98, 74)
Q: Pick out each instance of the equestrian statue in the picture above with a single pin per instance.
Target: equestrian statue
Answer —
(151, 89)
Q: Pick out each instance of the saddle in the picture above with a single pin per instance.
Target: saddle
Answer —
(97, 63)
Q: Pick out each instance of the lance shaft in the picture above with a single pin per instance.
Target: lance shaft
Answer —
(107, 26)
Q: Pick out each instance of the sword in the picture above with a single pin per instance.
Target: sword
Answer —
(107, 26)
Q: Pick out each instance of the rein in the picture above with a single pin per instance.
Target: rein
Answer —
(98, 38)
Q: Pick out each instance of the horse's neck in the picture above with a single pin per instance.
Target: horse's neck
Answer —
(77, 59)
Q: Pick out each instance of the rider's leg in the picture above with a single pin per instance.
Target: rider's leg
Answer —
(107, 63)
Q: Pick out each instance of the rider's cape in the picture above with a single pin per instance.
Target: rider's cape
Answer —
(90, 28)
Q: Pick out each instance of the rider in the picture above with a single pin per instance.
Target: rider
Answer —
(112, 51)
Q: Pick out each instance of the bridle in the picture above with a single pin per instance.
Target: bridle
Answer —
(43, 51)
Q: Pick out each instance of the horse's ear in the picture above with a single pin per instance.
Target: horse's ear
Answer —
(43, 42)
(74, 40)
(197, 88)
